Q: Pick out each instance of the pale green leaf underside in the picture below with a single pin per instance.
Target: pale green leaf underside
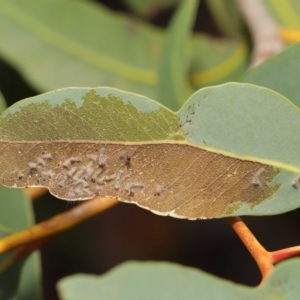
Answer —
(224, 153)
(22, 279)
(150, 280)
(285, 82)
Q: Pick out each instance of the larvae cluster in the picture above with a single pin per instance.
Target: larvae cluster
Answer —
(82, 177)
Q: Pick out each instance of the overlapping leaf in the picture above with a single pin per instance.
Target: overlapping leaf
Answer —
(22, 280)
(52, 50)
(224, 153)
(149, 7)
(286, 13)
(136, 280)
(226, 16)
(284, 82)
(173, 87)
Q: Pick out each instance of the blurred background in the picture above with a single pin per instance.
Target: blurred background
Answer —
(127, 232)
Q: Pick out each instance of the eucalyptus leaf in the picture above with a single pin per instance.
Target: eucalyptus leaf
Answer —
(48, 44)
(21, 280)
(227, 16)
(286, 13)
(149, 7)
(173, 87)
(157, 280)
(223, 153)
(216, 61)
(284, 82)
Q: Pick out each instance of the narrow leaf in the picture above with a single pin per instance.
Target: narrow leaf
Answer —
(226, 16)
(22, 280)
(173, 87)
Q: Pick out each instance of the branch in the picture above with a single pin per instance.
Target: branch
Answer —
(23, 251)
(279, 255)
(34, 193)
(264, 31)
(57, 224)
(258, 252)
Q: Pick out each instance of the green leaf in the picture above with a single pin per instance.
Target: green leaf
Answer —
(216, 61)
(149, 7)
(284, 82)
(22, 280)
(173, 88)
(161, 280)
(286, 13)
(53, 49)
(224, 153)
(227, 16)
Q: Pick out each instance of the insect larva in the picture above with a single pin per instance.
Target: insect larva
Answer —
(33, 166)
(71, 195)
(126, 158)
(87, 192)
(20, 175)
(71, 172)
(132, 186)
(296, 182)
(47, 156)
(159, 189)
(82, 182)
(102, 158)
(98, 189)
(93, 157)
(106, 178)
(41, 162)
(96, 174)
(47, 174)
(68, 162)
(118, 179)
(88, 171)
(79, 173)
(61, 184)
(255, 179)
(78, 191)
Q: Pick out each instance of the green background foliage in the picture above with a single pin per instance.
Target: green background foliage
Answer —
(54, 44)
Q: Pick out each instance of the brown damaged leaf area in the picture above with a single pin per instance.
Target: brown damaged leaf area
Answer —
(169, 179)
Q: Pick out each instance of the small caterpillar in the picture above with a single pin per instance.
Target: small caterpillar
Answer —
(47, 156)
(68, 162)
(33, 166)
(159, 189)
(132, 186)
(102, 158)
(41, 162)
(296, 182)
(255, 179)
(118, 179)
(47, 174)
(127, 159)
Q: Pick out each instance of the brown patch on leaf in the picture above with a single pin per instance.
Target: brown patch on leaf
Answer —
(175, 179)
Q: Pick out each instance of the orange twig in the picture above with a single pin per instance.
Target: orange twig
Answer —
(34, 193)
(258, 252)
(23, 251)
(279, 255)
(57, 224)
